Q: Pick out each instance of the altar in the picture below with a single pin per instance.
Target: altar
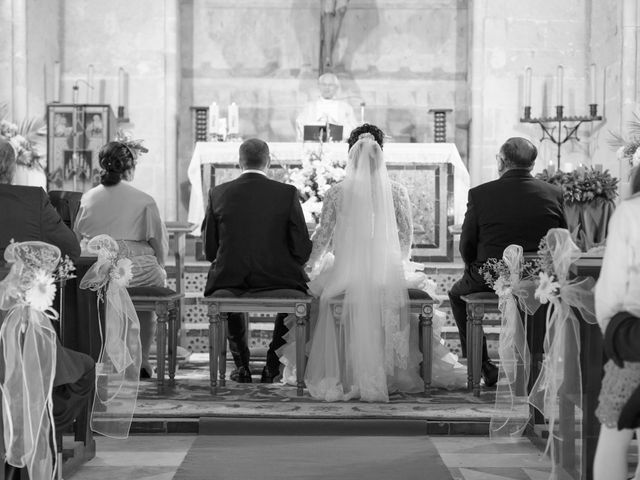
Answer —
(434, 174)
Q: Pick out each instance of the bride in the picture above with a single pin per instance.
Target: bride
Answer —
(360, 256)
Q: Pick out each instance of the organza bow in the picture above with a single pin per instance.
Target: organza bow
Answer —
(118, 368)
(515, 294)
(570, 300)
(28, 346)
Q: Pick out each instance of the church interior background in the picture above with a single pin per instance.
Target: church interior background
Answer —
(397, 62)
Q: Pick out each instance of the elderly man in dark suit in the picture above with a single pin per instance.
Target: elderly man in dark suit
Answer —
(515, 209)
(27, 214)
(256, 237)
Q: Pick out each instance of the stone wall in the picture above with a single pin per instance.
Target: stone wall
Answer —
(399, 58)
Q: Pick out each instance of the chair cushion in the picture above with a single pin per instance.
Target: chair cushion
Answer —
(417, 294)
(480, 297)
(150, 292)
(277, 293)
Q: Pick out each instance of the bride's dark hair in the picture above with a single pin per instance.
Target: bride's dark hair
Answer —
(366, 128)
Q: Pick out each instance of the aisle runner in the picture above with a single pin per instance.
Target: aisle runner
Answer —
(325, 450)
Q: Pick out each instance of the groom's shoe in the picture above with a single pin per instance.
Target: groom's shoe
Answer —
(489, 373)
(269, 375)
(241, 375)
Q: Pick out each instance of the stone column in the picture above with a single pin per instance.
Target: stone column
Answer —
(19, 83)
(172, 90)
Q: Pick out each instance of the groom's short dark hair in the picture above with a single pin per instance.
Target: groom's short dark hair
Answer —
(254, 154)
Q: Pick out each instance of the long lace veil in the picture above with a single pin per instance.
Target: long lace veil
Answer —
(374, 331)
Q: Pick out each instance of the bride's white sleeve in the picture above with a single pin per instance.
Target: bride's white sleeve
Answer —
(404, 218)
(323, 233)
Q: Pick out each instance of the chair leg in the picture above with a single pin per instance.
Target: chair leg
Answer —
(477, 315)
(213, 313)
(224, 318)
(469, 347)
(426, 331)
(163, 315)
(174, 321)
(301, 323)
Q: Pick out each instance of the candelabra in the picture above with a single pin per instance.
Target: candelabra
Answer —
(570, 131)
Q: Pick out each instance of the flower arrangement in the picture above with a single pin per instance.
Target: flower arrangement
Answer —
(548, 286)
(317, 174)
(627, 148)
(583, 185)
(497, 275)
(23, 138)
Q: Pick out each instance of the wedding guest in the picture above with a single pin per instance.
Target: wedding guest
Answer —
(130, 216)
(327, 109)
(26, 212)
(515, 209)
(617, 296)
(256, 237)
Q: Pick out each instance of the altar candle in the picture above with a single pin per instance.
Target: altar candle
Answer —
(233, 119)
(213, 117)
(121, 74)
(56, 81)
(90, 86)
(552, 168)
(559, 85)
(568, 167)
(362, 105)
(592, 78)
(527, 87)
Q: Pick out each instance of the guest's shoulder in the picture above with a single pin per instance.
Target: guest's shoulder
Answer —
(125, 188)
(23, 190)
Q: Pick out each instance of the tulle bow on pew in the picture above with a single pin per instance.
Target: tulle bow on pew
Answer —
(570, 300)
(118, 368)
(515, 295)
(28, 354)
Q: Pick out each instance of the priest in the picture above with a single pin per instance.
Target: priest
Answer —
(327, 109)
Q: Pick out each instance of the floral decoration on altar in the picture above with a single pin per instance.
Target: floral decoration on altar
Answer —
(627, 148)
(317, 174)
(23, 137)
(583, 185)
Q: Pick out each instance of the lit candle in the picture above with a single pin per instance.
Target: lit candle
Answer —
(121, 74)
(552, 168)
(362, 112)
(592, 78)
(90, 86)
(559, 82)
(213, 117)
(233, 119)
(56, 81)
(527, 87)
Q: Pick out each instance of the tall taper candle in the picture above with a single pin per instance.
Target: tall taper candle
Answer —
(527, 87)
(121, 87)
(559, 85)
(592, 78)
(213, 117)
(233, 119)
(90, 85)
(56, 81)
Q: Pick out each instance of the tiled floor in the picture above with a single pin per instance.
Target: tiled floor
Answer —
(156, 457)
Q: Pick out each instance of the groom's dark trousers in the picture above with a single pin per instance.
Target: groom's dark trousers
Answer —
(515, 209)
(256, 237)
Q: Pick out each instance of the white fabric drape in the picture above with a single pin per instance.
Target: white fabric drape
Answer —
(118, 368)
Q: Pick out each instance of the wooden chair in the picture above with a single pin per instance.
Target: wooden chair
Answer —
(421, 304)
(166, 304)
(219, 305)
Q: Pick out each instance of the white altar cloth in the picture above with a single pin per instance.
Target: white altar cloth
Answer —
(226, 153)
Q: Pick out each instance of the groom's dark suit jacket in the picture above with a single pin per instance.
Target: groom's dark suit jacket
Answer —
(255, 235)
(515, 209)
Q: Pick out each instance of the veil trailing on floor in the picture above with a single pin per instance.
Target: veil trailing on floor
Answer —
(353, 357)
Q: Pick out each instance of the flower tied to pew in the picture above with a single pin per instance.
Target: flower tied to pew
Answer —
(118, 367)
(571, 300)
(28, 343)
(513, 280)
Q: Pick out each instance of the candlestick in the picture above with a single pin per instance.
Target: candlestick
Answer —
(559, 85)
(213, 117)
(592, 78)
(362, 105)
(233, 119)
(527, 87)
(56, 82)
(121, 74)
(90, 84)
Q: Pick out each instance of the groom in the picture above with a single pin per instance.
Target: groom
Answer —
(256, 237)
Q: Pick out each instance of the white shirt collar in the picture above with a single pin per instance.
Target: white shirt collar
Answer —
(249, 170)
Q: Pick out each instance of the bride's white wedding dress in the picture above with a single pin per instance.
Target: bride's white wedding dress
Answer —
(373, 350)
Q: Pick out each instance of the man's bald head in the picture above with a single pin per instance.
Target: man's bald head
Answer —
(518, 153)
